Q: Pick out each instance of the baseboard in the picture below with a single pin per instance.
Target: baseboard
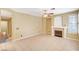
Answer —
(73, 39)
(27, 36)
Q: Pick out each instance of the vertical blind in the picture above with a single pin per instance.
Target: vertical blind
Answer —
(58, 21)
(72, 24)
(78, 23)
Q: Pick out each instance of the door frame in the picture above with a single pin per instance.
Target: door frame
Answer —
(9, 19)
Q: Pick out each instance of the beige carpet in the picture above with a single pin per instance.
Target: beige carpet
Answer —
(41, 43)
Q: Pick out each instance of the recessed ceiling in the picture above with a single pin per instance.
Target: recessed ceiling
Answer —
(39, 11)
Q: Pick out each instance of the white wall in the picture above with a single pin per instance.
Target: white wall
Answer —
(28, 25)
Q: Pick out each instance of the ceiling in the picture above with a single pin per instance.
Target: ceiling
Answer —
(39, 11)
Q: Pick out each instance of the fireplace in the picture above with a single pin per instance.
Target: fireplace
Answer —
(58, 33)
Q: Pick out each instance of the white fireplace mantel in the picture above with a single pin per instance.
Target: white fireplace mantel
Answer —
(63, 29)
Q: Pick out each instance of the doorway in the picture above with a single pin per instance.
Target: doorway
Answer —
(48, 26)
(6, 28)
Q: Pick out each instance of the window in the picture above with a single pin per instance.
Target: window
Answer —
(58, 21)
(72, 23)
(78, 28)
(78, 22)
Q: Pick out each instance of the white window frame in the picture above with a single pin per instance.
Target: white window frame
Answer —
(71, 30)
(58, 21)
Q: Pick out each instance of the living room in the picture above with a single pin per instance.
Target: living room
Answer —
(58, 24)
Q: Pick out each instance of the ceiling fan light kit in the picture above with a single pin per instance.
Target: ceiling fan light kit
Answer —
(48, 13)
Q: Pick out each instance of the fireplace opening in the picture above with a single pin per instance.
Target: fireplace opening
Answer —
(58, 33)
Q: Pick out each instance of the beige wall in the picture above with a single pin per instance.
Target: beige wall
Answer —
(28, 25)
(47, 25)
(25, 25)
(44, 25)
(0, 23)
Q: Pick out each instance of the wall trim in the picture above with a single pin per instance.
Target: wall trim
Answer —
(27, 36)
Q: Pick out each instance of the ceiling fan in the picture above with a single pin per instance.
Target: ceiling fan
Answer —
(48, 12)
